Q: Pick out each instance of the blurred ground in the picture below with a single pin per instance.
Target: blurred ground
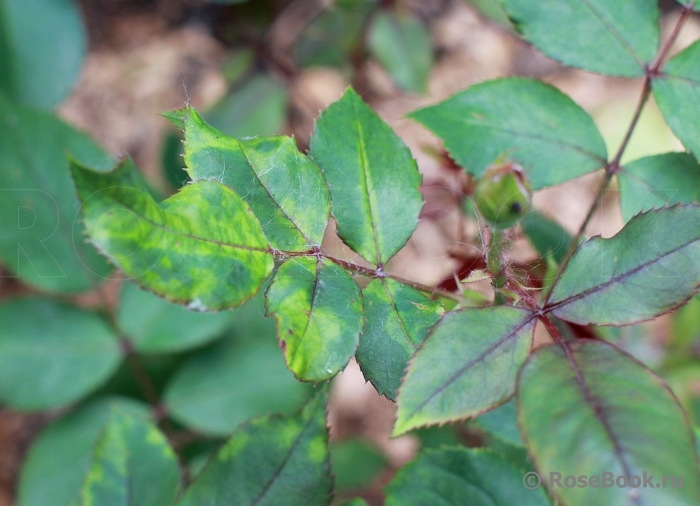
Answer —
(147, 57)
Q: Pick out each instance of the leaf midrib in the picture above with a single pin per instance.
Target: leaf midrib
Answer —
(312, 306)
(617, 35)
(363, 165)
(614, 279)
(269, 194)
(598, 411)
(527, 135)
(182, 234)
(278, 471)
(507, 337)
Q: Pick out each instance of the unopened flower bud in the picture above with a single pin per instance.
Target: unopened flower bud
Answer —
(503, 195)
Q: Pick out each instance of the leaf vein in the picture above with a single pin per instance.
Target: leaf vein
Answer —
(507, 337)
(615, 279)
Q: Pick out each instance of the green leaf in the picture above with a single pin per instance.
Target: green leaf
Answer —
(502, 422)
(59, 459)
(171, 161)
(155, 325)
(357, 501)
(186, 248)
(547, 236)
(454, 476)
(52, 354)
(318, 308)
(466, 366)
(685, 330)
(331, 37)
(657, 181)
(682, 379)
(687, 3)
(648, 268)
(529, 122)
(595, 410)
(176, 117)
(397, 320)
(402, 45)
(270, 461)
(42, 45)
(132, 465)
(621, 38)
(259, 107)
(356, 463)
(491, 10)
(373, 178)
(677, 93)
(38, 205)
(284, 188)
(219, 388)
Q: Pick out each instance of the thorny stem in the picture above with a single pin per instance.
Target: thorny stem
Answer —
(551, 328)
(495, 265)
(369, 272)
(613, 167)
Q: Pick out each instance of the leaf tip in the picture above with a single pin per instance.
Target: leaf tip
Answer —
(177, 116)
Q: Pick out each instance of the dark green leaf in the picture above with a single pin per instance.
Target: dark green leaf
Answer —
(466, 366)
(373, 178)
(657, 181)
(52, 354)
(648, 268)
(437, 436)
(355, 463)
(284, 188)
(318, 308)
(202, 246)
(257, 108)
(132, 465)
(616, 38)
(685, 329)
(153, 324)
(677, 93)
(491, 9)
(171, 161)
(397, 320)
(682, 378)
(59, 459)
(42, 44)
(270, 461)
(547, 236)
(460, 476)
(502, 422)
(357, 501)
(38, 204)
(329, 40)
(595, 410)
(221, 387)
(527, 121)
(402, 45)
